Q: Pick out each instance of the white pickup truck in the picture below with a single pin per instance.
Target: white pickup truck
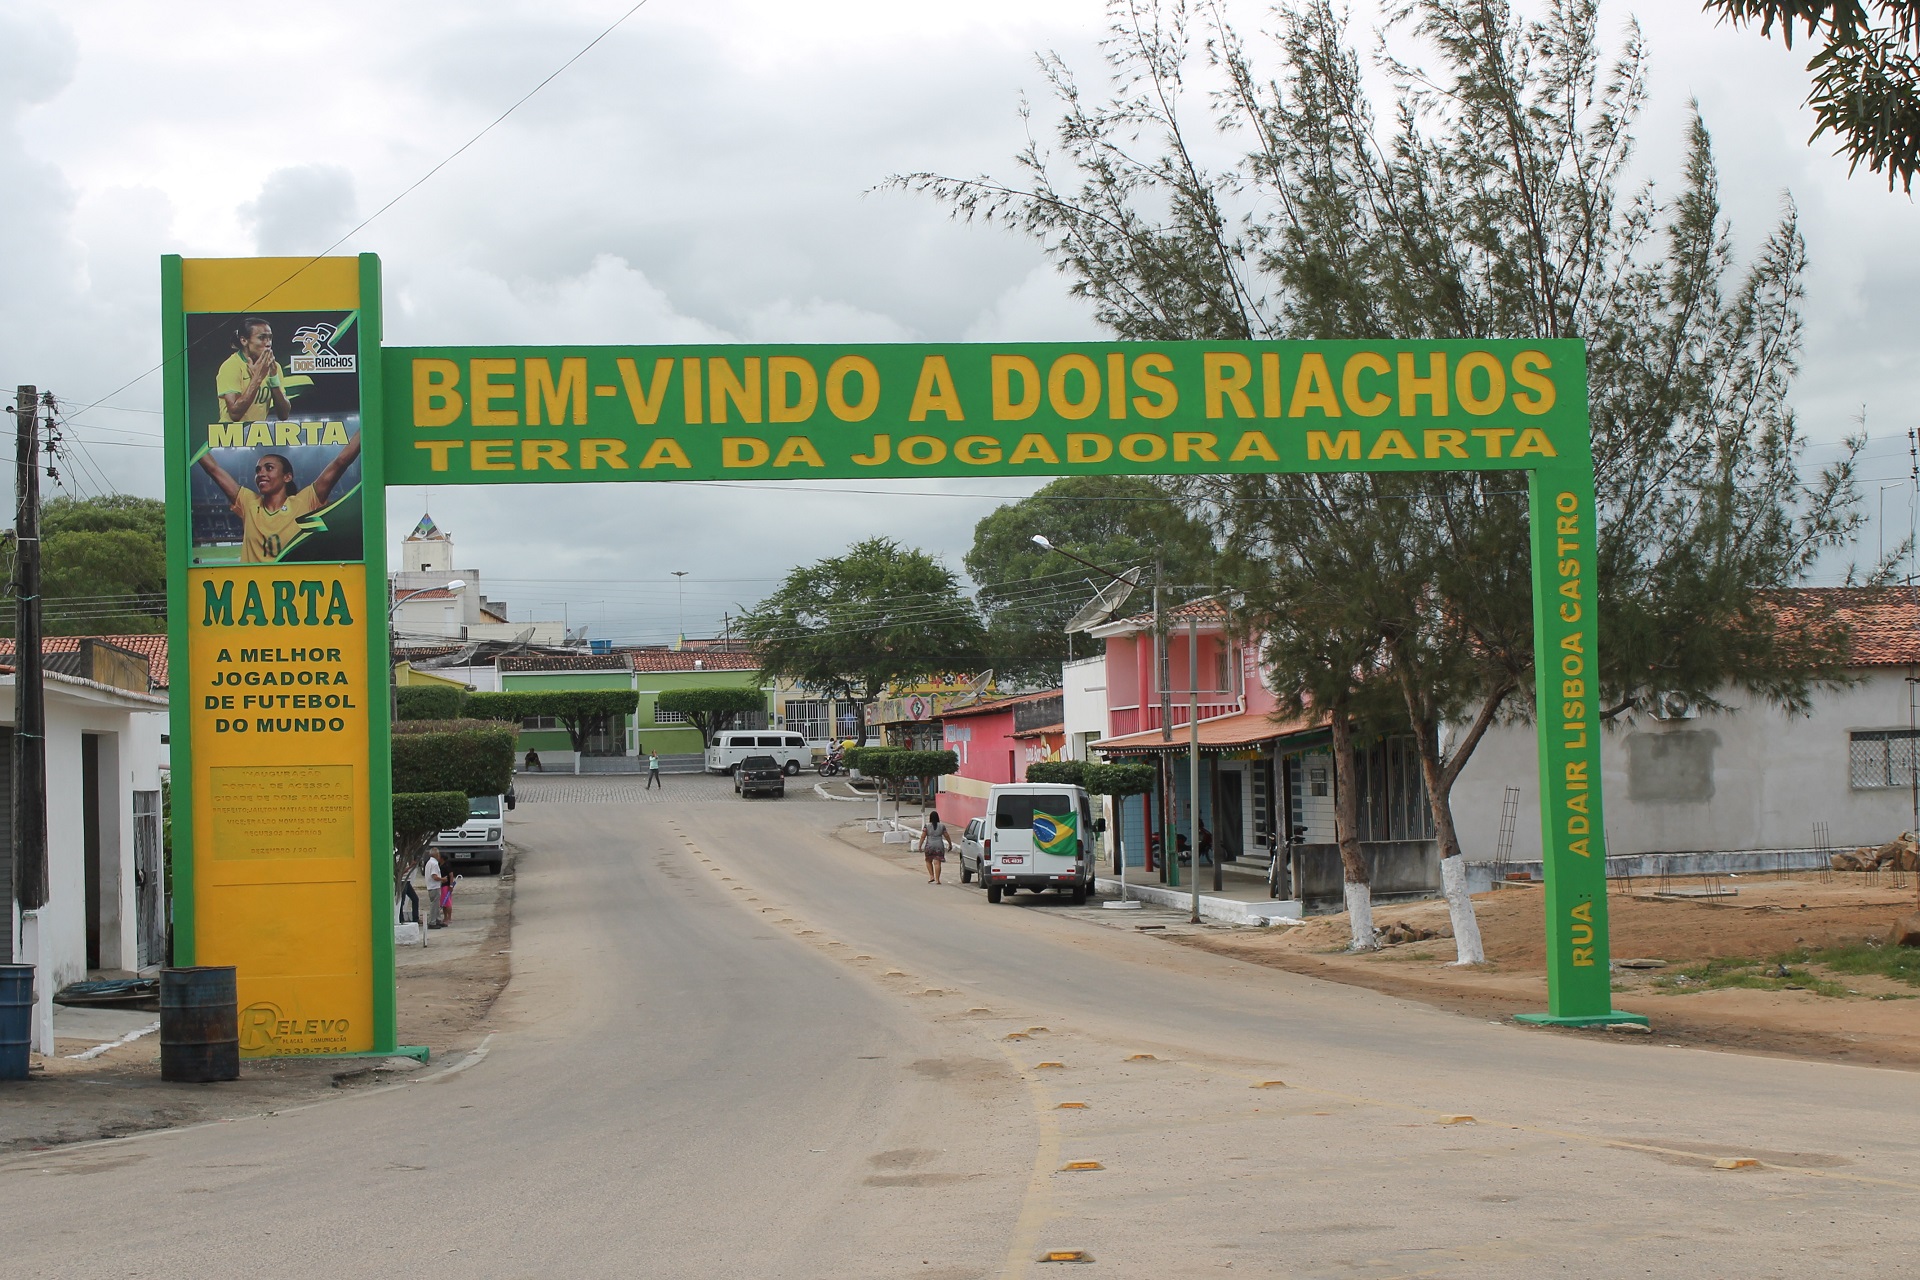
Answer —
(482, 838)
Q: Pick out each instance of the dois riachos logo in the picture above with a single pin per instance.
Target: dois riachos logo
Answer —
(314, 343)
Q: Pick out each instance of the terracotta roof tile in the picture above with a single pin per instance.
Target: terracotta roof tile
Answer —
(153, 648)
(998, 704)
(1885, 621)
(683, 660)
(563, 662)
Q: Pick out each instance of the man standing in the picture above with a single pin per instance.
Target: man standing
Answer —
(653, 771)
(270, 512)
(436, 918)
(249, 380)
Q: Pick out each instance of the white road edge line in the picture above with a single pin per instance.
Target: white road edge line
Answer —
(87, 1055)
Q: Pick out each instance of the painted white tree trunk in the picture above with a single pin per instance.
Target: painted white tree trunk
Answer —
(1360, 916)
(1466, 926)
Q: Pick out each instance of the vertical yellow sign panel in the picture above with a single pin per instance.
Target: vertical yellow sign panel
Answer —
(277, 672)
(278, 666)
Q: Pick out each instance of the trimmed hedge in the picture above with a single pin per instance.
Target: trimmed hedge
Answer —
(1120, 779)
(1099, 779)
(418, 814)
(1070, 772)
(429, 702)
(474, 758)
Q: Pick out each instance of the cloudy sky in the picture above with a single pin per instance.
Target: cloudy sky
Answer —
(705, 173)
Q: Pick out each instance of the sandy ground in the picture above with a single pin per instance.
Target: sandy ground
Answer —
(1877, 1023)
(446, 991)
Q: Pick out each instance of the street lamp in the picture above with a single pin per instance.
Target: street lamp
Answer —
(680, 581)
(393, 648)
(1041, 540)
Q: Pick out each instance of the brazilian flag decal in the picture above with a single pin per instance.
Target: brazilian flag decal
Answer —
(1055, 833)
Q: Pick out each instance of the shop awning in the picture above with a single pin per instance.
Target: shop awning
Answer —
(1227, 733)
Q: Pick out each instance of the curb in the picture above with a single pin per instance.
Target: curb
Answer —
(1220, 910)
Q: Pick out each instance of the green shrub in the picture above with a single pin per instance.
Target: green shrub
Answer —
(474, 758)
(1070, 772)
(429, 702)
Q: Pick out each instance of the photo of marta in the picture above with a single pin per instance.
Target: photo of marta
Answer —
(275, 441)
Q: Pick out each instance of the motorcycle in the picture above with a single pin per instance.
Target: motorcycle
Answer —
(833, 766)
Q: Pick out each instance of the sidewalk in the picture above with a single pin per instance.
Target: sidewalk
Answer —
(1242, 898)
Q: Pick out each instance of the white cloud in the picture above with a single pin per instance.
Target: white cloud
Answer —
(708, 173)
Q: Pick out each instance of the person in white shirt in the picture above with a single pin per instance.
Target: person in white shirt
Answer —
(436, 919)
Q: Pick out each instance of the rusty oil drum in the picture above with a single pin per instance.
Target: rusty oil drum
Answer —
(199, 1024)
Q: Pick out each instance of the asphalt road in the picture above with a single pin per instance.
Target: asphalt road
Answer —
(740, 1041)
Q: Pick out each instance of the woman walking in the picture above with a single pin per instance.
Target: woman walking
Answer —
(933, 843)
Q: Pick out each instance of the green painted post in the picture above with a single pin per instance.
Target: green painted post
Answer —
(173, 352)
(373, 525)
(1572, 818)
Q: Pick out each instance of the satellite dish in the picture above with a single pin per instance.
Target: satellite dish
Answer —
(1105, 600)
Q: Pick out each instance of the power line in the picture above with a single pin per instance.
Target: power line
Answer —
(409, 190)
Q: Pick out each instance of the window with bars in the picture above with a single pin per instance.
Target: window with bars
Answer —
(669, 717)
(540, 722)
(1878, 759)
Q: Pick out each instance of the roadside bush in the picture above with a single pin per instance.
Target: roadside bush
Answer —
(429, 702)
(1070, 772)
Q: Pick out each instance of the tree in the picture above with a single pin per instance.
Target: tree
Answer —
(579, 711)
(103, 566)
(1028, 594)
(924, 767)
(849, 626)
(713, 709)
(1866, 76)
(437, 766)
(1490, 205)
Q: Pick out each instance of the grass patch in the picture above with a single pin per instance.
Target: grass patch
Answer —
(1407, 955)
(1739, 972)
(1901, 964)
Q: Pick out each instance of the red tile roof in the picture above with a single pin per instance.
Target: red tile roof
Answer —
(997, 704)
(563, 662)
(1884, 621)
(1205, 609)
(684, 659)
(153, 648)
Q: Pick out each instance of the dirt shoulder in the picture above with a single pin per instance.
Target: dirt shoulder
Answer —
(446, 991)
(1866, 1018)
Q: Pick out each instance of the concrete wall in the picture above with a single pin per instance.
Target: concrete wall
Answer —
(1752, 779)
(1084, 703)
(129, 758)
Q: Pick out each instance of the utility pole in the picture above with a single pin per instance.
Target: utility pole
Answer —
(29, 707)
(1193, 758)
(1169, 859)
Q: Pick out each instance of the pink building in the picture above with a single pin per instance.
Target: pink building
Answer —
(995, 742)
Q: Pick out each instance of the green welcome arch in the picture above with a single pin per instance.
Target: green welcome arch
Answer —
(287, 418)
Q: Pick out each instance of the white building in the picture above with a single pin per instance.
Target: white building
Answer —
(1083, 685)
(106, 753)
(429, 614)
(1751, 778)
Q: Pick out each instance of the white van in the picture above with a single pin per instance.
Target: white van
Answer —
(1023, 820)
(732, 746)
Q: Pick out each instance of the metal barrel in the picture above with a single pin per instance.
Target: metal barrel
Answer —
(16, 1019)
(199, 1024)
